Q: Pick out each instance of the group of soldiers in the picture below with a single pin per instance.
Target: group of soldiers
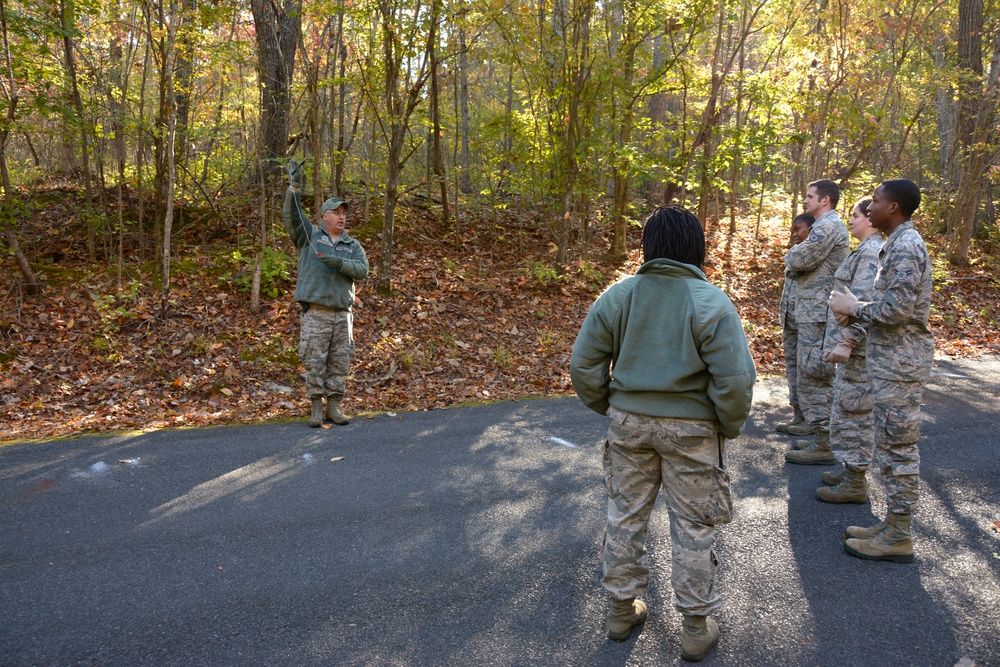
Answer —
(857, 349)
(858, 352)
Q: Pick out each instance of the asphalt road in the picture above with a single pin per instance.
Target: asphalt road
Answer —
(470, 537)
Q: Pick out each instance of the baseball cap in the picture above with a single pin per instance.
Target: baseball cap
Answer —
(333, 203)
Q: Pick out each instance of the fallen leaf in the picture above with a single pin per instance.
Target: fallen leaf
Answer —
(227, 391)
(337, 458)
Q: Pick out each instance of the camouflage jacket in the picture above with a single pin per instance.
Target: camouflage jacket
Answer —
(814, 262)
(900, 344)
(787, 305)
(857, 273)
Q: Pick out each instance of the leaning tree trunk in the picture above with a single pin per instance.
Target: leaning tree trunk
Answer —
(32, 286)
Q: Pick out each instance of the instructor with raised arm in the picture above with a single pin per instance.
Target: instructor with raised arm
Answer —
(329, 261)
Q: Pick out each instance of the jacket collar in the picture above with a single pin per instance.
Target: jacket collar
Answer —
(670, 267)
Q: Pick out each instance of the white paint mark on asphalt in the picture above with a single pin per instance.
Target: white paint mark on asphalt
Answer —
(93, 470)
(564, 443)
(307, 457)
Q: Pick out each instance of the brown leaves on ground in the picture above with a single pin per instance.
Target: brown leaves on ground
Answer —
(488, 320)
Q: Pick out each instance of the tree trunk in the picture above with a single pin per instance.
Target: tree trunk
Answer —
(437, 161)
(463, 66)
(68, 25)
(981, 144)
(32, 285)
(278, 28)
(655, 188)
(168, 215)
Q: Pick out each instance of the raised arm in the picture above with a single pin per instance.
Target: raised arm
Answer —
(296, 223)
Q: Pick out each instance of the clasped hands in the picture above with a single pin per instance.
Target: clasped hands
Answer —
(842, 306)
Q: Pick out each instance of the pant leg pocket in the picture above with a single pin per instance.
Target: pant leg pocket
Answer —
(856, 397)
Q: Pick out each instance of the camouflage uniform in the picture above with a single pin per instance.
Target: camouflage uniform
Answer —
(852, 434)
(686, 457)
(790, 338)
(326, 347)
(900, 356)
(813, 263)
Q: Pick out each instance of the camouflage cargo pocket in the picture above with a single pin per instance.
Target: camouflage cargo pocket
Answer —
(815, 367)
(715, 504)
(902, 425)
(856, 397)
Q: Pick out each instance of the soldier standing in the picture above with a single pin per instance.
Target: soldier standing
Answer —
(789, 334)
(329, 261)
(814, 261)
(852, 435)
(670, 417)
(900, 356)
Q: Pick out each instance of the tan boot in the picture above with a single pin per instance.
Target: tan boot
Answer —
(316, 418)
(862, 533)
(892, 543)
(800, 444)
(797, 420)
(623, 615)
(698, 636)
(833, 477)
(818, 453)
(853, 488)
(801, 429)
(333, 412)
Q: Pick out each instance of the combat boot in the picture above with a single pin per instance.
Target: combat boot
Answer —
(699, 635)
(801, 429)
(862, 533)
(853, 488)
(316, 418)
(892, 543)
(800, 444)
(333, 412)
(797, 420)
(623, 615)
(817, 453)
(833, 477)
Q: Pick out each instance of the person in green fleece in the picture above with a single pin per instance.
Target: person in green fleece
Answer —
(664, 355)
(329, 262)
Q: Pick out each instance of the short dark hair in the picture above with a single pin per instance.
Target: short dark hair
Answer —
(673, 232)
(904, 192)
(827, 188)
(864, 205)
(805, 219)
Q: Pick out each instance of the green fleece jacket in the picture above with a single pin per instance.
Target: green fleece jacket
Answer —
(676, 345)
(328, 267)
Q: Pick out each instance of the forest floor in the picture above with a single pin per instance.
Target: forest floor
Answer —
(486, 318)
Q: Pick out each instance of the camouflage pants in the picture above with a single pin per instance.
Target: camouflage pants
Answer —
(852, 425)
(790, 344)
(813, 375)
(686, 458)
(326, 346)
(897, 430)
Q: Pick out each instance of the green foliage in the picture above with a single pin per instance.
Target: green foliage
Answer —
(502, 358)
(274, 272)
(543, 273)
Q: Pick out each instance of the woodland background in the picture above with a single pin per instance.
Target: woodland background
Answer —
(498, 156)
